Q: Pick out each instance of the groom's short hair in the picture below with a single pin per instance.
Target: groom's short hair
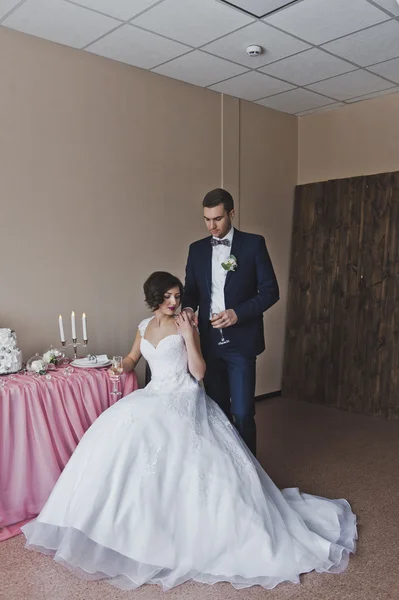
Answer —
(218, 196)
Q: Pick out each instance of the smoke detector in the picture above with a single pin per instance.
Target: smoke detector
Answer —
(255, 50)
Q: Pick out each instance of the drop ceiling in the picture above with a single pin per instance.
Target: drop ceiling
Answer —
(318, 54)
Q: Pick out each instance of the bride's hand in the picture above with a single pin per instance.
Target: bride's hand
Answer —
(184, 325)
(191, 315)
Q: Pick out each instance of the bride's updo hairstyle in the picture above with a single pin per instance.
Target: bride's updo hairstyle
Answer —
(156, 287)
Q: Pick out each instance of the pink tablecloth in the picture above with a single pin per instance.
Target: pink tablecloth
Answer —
(41, 423)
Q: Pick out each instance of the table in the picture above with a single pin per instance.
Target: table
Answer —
(41, 423)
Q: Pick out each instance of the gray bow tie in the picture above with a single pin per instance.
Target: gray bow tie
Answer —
(216, 242)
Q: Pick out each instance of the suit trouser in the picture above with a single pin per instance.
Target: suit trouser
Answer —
(230, 381)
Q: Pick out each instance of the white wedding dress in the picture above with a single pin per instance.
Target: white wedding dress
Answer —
(161, 489)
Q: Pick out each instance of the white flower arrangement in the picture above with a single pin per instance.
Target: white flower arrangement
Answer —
(230, 264)
(39, 366)
(52, 356)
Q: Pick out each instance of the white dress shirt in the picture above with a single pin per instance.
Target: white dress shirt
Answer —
(219, 255)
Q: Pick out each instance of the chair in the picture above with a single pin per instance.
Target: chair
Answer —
(147, 373)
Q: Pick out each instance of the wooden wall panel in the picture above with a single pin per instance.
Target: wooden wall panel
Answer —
(342, 338)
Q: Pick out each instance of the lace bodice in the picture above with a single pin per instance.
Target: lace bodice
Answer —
(168, 360)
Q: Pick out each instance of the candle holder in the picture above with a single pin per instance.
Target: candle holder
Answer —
(75, 345)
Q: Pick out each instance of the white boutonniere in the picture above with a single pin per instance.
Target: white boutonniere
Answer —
(230, 264)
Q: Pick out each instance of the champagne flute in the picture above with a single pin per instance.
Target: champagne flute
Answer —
(116, 370)
(223, 340)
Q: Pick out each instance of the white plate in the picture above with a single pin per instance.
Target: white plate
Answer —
(92, 365)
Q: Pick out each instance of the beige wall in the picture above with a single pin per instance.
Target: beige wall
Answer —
(359, 139)
(102, 169)
(268, 175)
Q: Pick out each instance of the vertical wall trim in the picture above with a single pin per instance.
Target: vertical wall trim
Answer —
(230, 149)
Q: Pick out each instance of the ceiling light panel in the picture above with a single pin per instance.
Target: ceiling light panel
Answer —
(259, 8)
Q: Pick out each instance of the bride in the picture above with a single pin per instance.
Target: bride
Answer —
(161, 488)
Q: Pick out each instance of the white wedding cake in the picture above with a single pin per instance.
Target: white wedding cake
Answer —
(10, 355)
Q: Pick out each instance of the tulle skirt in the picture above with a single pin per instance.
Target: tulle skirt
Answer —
(161, 489)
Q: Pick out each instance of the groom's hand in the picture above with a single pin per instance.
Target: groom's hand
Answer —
(227, 318)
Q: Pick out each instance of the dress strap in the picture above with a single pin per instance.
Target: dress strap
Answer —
(143, 326)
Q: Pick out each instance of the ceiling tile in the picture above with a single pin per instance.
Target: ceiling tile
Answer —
(120, 9)
(60, 22)
(251, 86)
(318, 21)
(275, 43)
(369, 46)
(391, 5)
(137, 47)
(192, 22)
(6, 6)
(199, 68)
(351, 85)
(308, 67)
(388, 69)
(393, 90)
(296, 101)
(259, 8)
(313, 111)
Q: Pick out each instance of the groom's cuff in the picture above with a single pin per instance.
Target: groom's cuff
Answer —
(240, 313)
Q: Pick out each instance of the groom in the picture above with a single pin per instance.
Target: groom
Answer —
(230, 278)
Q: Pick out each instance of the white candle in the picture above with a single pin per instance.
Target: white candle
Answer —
(61, 326)
(84, 326)
(73, 326)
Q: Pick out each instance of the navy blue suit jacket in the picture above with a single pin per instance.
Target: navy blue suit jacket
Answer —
(250, 290)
